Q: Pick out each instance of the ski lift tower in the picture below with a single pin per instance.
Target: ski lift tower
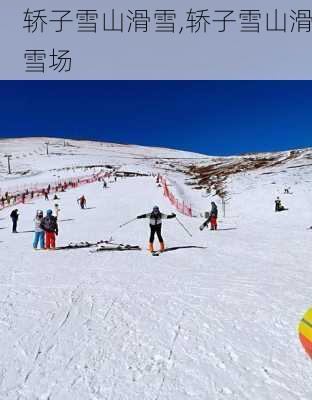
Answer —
(9, 156)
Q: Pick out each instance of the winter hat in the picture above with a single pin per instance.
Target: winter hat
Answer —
(155, 209)
(39, 212)
(49, 212)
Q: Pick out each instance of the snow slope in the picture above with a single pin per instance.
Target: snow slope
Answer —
(71, 158)
(213, 323)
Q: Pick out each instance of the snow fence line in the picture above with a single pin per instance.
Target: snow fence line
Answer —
(179, 205)
(21, 198)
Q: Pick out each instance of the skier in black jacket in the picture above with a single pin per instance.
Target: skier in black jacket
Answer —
(14, 217)
(155, 221)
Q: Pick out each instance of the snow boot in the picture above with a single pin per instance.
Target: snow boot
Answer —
(150, 247)
(162, 247)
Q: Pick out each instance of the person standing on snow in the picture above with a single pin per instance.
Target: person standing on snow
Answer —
(82, 202)
(214, 209)
(155, 221)
(213, 216)
(14, 217)
(57, 210)
(49, 225)
(39, 232)
(212, 219)
(278, 204)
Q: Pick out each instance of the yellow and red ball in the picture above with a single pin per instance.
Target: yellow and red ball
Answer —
(305, 332)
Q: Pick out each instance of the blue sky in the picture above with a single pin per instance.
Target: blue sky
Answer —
(211, 117)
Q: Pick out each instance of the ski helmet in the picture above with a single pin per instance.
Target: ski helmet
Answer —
(156, 210)
(49, 212)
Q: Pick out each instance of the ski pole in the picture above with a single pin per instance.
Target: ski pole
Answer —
(120, 226)
(128, 222)
(186, 230)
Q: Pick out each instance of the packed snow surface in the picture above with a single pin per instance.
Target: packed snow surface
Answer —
(218, 322)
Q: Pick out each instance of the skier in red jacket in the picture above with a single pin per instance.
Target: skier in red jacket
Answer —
(82, 202)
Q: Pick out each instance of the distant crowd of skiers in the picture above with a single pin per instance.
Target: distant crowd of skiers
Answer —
(9, 199)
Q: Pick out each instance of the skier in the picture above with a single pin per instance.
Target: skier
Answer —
(82, 202)
(104, 184)
(57, 210)
(14, 216)
(49, 225)
(46, 197)
(287, 191)
(155, 221)
(39, 232)
(279, 206)
(55, 197)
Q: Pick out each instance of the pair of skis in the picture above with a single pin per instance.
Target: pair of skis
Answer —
(105, 245)
(115, 247)
(79, 245)
(102, 245)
